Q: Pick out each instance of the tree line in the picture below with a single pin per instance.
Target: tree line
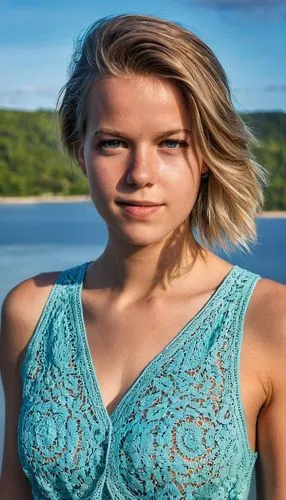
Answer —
(31, 162)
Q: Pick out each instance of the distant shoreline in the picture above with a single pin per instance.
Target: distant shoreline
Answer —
(27, 200)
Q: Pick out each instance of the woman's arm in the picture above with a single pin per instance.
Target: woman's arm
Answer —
(13, 483)
(20, 313)
(271, 431)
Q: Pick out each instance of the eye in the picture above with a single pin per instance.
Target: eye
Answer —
(109, 144)
(172, 144)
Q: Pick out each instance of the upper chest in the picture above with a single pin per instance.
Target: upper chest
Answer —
(122, 345)
(177, 417)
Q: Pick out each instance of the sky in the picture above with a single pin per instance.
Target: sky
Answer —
(248, 37)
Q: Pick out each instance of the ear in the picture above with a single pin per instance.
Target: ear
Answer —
(80, 157)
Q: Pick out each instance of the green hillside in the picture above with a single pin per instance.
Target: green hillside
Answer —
(30, 160)
(32, 164)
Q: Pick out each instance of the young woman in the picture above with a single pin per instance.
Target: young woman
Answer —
(158, 370)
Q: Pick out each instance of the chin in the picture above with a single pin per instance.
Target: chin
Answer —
(141, 237)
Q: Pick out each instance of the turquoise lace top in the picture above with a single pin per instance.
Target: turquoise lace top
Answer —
(178, 433)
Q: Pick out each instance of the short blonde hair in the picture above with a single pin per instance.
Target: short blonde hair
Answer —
(231, 196)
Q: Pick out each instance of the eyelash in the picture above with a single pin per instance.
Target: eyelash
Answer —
(103, 144)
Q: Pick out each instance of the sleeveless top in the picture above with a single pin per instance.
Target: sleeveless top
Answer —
(178, 433)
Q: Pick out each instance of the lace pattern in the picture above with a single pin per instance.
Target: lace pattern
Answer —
(180, 430)
(60, 430)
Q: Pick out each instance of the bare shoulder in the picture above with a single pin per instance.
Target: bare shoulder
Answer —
(30, 289)
(22, 308)
(268, 310)
(270, 317)
(267, 316)
(271, 290)
(21, 311)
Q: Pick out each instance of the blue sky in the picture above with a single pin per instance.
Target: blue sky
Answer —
(248, 37)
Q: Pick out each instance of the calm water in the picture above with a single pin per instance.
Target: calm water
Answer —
(45, 237)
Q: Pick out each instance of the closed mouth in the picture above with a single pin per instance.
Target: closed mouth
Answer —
(139, 203)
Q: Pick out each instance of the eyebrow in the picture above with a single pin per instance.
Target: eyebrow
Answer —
(116, 133)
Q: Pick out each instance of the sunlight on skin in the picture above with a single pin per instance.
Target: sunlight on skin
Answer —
(138, 146)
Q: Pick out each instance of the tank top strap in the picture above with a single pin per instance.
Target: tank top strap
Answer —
(239, 296)
(239, 293)
(53, 315)
(72, 276)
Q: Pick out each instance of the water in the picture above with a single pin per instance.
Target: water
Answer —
(46, 237)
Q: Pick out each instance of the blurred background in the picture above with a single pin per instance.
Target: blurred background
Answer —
(39, 232)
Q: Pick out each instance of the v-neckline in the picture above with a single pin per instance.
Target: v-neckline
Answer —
(91, 365)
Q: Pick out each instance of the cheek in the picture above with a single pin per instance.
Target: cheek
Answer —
(183, 189)
(180, 167)
(103, 173)
(100, 191)
(181, 178)
(101, 179)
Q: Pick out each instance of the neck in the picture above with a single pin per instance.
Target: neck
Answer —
(140, 272)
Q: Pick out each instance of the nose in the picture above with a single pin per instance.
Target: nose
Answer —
(141, 168)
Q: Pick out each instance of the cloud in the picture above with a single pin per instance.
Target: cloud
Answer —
(33, 97)
(271, 88)
(239, 4)
(275, 88)
(29, 96)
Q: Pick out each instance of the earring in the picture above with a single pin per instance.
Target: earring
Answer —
(205, 175)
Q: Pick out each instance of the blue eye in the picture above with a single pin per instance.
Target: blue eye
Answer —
(111, 144)
(173, 143)
(116, 143)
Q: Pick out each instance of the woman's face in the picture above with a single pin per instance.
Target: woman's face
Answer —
(139, 148)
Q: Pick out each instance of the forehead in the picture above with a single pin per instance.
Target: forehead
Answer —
(137, 101)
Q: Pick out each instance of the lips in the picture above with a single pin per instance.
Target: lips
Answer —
(139, 203)
(139, 209)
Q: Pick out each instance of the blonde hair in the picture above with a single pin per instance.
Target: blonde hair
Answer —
(231, 196)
